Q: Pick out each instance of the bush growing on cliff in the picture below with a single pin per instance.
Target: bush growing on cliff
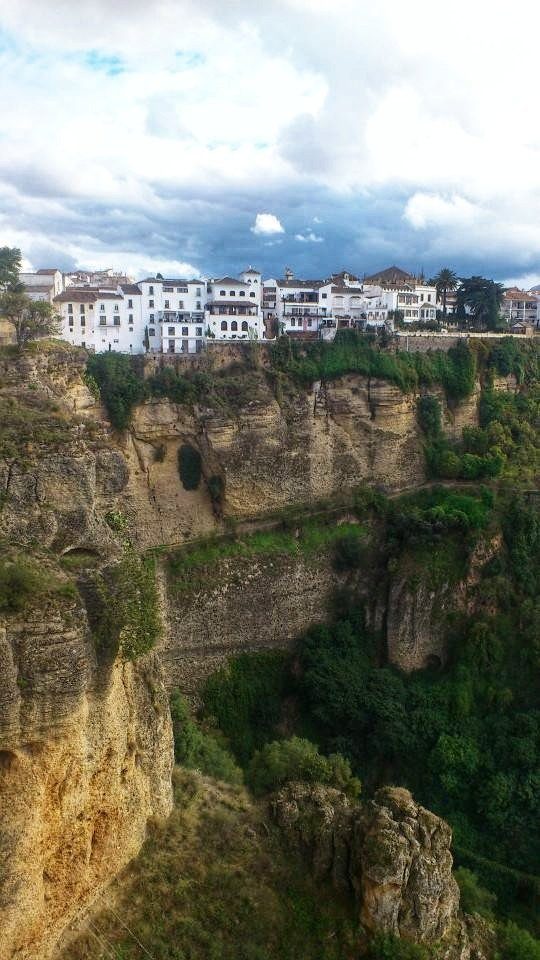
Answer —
(429, 415)
(386, 947)
(22, 580)
(120, 387)
(189, 466)
(197, 750)
(283, 761)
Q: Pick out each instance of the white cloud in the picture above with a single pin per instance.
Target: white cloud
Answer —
(266, 223)
(240, 98)
(308, 237)
(428, 209)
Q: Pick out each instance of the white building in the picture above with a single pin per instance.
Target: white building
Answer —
(300, 306)
(234, 307)
(173, 312)
(518, 306)
(44, 285)
(102, 319)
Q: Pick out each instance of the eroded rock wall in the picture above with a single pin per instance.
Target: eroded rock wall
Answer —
(239, 605)
(85, 761)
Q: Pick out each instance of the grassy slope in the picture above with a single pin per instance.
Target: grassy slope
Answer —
(215, 882)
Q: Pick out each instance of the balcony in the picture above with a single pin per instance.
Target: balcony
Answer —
(301, 298)
(230, 310)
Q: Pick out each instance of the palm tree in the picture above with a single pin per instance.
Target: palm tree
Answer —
(445, 280)
(483, 299)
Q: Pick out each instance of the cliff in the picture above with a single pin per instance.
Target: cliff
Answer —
(269, 454)
(85, 740)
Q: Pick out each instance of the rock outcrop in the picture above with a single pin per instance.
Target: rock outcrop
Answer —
(391, 854)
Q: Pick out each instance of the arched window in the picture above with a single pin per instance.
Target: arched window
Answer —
(224, 325)
(244, 325)
(242, 293)
(234, 325)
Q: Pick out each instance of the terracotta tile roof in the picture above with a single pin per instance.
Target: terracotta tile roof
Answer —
(354, 290)
(76, 296)
(130, 288)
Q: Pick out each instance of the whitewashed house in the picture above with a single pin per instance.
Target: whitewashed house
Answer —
(234, 307)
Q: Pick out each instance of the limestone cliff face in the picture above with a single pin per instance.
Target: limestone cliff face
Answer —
(269, 454)
(85, 742)
(391, 854)
(85, 760)
(242, 604)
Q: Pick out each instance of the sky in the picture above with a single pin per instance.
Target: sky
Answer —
(199, 136)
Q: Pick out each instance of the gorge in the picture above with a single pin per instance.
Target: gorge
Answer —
(243, 506)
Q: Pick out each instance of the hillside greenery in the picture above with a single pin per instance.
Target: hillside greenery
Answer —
(465, 739)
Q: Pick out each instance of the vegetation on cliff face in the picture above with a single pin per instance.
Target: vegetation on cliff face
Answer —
(126, 617)
(466, 739)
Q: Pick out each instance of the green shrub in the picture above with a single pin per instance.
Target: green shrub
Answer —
(429, 415)
(189, 466)
(20, 581)
(349, 550)
(120, 387)
(296, 759)
(386, 947)
(198, 750)
(517, 944)
(473, 897)
(245, 698)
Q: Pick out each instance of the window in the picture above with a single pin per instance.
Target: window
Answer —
(117, 321)
(130, 304)
(222, 293)
(71, 321)
(151, 332)
(102, 308)
(130, 318)
(234, 325)
(150, 303)
(171, 346)
(252, 293)
(151, 291)
(168, 289)
(224, 325)
(83, 343)
(166, 304)
(324, 296)
(82, 308)
(198, 292)
(198, 305)
(180, 304)
(91, 306)
(180, 289)
(429, 298)
(232, 293)
(244, 325)
(131, 329)
(310, 323)
(185, 331)
(209, 288)
(102, 321)
(170, 331)
(83, 321)
(242, 293)
(70, 308)
(116, 308)
(198, 331)
(185, 344)
(151, 318)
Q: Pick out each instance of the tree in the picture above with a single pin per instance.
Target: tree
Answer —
(10, 265)
(483, 299)
(32, 319)
(445, 280)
